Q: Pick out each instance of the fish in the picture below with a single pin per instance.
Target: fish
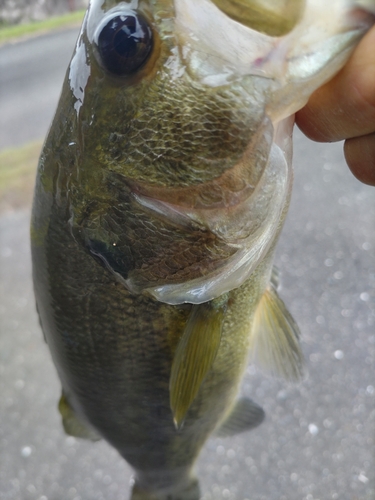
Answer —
(161, 191)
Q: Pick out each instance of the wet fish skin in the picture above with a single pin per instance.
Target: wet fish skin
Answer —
(111, 375)
(125, 241)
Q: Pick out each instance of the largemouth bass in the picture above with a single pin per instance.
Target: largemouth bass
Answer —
(161, 191)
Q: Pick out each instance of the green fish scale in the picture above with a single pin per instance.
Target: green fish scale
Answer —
(114, 352)
(173, 133)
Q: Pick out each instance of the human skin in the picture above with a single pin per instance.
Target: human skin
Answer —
(344, 109)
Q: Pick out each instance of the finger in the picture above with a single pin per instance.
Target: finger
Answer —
(345, 106)
(360, 156)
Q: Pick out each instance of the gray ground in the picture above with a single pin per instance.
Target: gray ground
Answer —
(31, 76)
(318, 439)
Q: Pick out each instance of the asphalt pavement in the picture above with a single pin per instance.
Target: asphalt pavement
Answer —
(31, 76)
(317, 442)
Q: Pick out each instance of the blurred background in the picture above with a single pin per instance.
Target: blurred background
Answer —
(317, 442)
(23, 11)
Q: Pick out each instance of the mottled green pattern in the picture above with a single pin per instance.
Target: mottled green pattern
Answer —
(169, 132)
(114, 352)
(113, 349)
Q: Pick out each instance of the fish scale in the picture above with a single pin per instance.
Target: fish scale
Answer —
(206, 129)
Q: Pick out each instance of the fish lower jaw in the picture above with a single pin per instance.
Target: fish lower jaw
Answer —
(250, 228)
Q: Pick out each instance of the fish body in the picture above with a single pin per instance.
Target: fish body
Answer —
(161, 191)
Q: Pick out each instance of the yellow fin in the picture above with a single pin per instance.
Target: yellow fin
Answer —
(275, 338)
(73, 426)
(195, 355)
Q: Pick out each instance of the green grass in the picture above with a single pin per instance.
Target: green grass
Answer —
(17, 175)
(11, 33)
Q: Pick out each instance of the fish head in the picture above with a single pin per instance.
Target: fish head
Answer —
(180, 122)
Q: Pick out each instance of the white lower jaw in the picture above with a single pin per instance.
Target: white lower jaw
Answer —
(258, 220)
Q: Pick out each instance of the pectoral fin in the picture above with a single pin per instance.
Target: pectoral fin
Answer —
(73, 426)
(195, 355)
(275, 338)
(245, 416)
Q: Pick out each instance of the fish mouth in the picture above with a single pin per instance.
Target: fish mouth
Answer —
(242, 208)
(216, 204)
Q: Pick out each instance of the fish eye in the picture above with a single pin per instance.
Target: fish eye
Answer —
(124, 43)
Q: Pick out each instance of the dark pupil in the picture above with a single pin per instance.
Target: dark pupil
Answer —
(125, 43)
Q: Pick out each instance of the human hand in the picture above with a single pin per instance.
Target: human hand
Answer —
(344, 108)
